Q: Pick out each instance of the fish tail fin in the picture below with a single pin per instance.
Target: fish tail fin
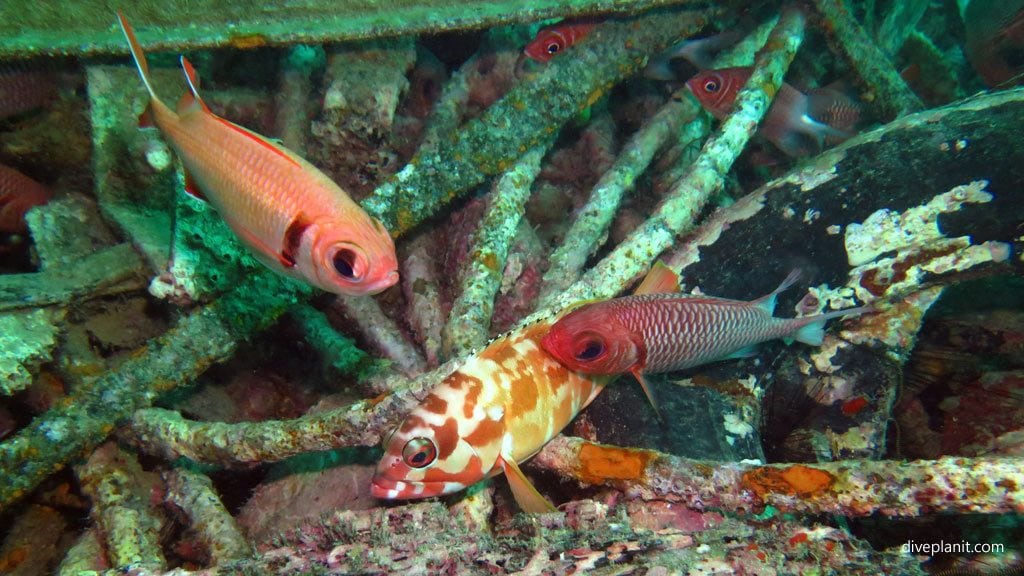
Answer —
(137, 54)
(767, 302)
(191, 98)
(813, 332)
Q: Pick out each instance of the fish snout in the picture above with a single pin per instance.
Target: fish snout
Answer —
(388, 280)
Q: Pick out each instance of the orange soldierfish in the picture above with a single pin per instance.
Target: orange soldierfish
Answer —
(798, 124)
(662, 332)
(553, 39)
(291, 215)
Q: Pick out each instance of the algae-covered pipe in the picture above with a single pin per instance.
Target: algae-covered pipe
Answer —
(530, 113)
(86, 27)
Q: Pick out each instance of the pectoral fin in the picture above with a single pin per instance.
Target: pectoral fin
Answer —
(528, 498)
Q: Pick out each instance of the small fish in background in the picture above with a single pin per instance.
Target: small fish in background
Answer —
(799, 124)
(24, 88)
(18, 194)
(290, 214)
(699, 52)
(663, 330)
(551, 40)
(995, 40)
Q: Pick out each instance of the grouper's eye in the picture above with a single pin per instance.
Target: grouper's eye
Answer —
(589, 349)
(419, 452)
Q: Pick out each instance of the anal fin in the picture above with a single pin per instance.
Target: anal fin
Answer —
(647, 390)
(526, 495)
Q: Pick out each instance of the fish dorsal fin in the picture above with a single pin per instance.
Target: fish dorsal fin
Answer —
(659, 280)
(137, 54)
(192, 98)
(767, 302)
(526, 495)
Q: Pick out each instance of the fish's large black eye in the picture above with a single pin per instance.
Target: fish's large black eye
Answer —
(419, 452)
(711, 86)
(589, 350)
(345, 264)
(554, 47)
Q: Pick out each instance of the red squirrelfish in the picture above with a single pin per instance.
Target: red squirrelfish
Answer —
(995, 40)
(553, 39)
(662, 332)
(18, 193)
(798, 124)
(291, 215)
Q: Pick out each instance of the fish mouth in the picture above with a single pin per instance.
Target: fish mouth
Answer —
(390, 489)
(389, 280)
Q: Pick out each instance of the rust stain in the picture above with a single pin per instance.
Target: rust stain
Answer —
(796, 480)
(248, 41)
(598, 464)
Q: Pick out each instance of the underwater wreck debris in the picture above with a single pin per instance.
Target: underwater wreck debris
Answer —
(294, 110)
(209, 334)
(589, 536)
(469, 321)
(381, 332)
(529, 114)
(121, 505)
(169, 434)
(678, 211)
(194, 495)
(26, 339)
(108, 271)
(889, 93)
(423, 297)
(340, 352)
(85, 555)
(594, 218)
(899, 24)
(190, 24)
(33, 541)
(849, 488)
(364, 83)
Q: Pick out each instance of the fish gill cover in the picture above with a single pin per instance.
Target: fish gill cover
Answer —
(169, 403)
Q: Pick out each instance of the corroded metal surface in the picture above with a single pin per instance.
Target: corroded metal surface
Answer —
(89, 26)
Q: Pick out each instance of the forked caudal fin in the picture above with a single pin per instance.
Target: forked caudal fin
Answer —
(814, 331)
(767, 302)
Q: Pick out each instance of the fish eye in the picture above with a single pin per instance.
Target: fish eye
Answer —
(591, 349)
(711, 86)
(419, 452)
(554, 47)
(345, 261)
